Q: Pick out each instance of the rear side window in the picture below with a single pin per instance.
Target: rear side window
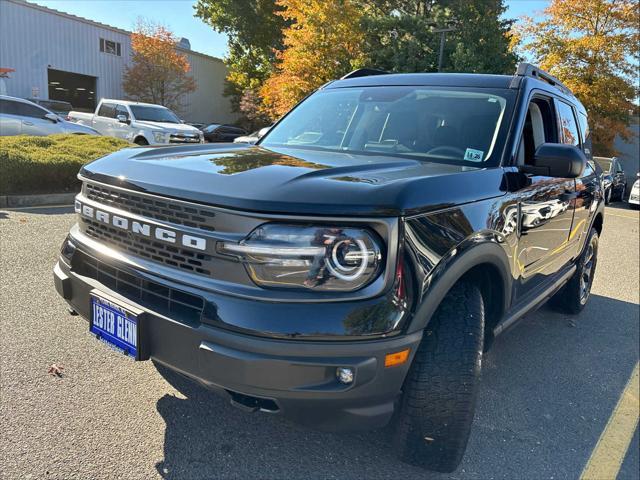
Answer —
(22, 109)
(568, 125)
(107, 110)
(8, 107)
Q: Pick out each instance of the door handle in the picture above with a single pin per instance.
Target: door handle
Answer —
(25, 122)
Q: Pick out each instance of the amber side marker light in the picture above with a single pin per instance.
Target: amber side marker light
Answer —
(397, 358)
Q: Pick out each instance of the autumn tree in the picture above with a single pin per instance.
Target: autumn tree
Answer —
(322, 42)
(254, 30)
(158, 72)
(591, 46)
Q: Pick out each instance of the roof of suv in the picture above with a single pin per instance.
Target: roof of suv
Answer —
(416, 79)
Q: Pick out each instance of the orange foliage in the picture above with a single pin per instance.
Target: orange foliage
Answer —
(323, 42)
(158, 73)
(592, 46)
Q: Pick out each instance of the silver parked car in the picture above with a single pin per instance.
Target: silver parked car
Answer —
(22, 117)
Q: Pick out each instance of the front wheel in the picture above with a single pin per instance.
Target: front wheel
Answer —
(607, 196)
(574, 295)
(141, 141)
(436, 410)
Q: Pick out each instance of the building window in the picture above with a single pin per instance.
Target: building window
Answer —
(110, 47)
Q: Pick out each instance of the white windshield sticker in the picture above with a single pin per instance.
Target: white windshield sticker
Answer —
(473, 155)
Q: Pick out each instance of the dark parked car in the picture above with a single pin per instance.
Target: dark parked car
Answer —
(215, 133)
(614, 179)
(353, 267)
(59, 107)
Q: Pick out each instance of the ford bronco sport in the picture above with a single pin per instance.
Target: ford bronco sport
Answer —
(350, 269)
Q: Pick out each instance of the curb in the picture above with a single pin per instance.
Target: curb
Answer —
(18, 201)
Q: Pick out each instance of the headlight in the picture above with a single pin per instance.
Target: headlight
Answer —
(312, 257)
(160, 137)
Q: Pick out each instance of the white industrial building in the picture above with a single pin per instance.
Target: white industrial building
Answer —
(55, 55)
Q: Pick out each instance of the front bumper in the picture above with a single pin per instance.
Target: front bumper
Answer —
(634, 197)
(293, 378)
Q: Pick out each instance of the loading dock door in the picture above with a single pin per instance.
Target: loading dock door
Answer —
(77, 89)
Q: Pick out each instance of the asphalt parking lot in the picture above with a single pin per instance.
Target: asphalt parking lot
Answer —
(548, 389)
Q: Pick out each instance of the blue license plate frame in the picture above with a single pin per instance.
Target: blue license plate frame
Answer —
(116, 325)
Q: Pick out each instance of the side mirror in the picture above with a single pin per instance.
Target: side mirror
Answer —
(557, 160)
(52, 117)
(122, 118)
(263, 131)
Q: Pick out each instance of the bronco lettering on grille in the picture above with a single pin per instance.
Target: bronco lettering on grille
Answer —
(140, 228)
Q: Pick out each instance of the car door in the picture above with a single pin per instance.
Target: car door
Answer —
(122, 130)
(103, 121)
(619, 179)
(545, 204)
(10, 120)
(34, 121)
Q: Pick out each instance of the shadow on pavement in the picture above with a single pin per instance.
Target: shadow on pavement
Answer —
(547, 384)
(38, 210)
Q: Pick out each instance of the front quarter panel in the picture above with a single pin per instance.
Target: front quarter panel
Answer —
(442, 246)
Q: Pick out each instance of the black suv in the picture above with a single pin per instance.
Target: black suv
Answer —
(352, 267)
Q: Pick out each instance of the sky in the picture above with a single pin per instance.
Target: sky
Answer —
(178, 16)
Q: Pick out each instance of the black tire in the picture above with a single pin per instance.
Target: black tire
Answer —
(607, 196)
(575, 294)
(141, 141)
(436, 409)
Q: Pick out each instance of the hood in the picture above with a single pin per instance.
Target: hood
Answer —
(295, 181)
(167, 126)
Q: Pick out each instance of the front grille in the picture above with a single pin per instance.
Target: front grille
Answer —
(180, 306)
(164, 210)
(143, 247)
(184, 138)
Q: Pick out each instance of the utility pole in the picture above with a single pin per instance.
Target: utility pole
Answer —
(442, 32)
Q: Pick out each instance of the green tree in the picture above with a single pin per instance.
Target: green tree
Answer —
(254, 29)
(399, 36)
(592, 46)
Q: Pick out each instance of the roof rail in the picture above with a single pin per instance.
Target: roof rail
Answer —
(363, 72)
(529, 70)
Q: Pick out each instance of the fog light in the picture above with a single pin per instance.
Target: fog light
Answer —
(68, 249)
(344, 375)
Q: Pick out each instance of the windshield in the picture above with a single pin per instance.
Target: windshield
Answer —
(459, 126)
(153, 114)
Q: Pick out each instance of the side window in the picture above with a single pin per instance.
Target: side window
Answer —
(122, 110)
(107, 110)
(8, 107)
(32, 111)
(568, 125)
(585, 132)
(539, 128)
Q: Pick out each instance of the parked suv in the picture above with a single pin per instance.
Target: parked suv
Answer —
(614, 179)
(352, 268)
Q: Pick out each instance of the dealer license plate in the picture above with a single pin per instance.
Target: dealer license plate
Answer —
(115, 325)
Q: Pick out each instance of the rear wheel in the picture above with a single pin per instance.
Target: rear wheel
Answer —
(574, 295)
(436, 410)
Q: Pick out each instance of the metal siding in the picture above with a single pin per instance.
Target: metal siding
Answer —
(33, 39)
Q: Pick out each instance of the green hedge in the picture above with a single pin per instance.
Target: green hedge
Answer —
(49, 164)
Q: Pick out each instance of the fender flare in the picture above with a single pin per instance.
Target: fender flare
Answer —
(452, 268)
